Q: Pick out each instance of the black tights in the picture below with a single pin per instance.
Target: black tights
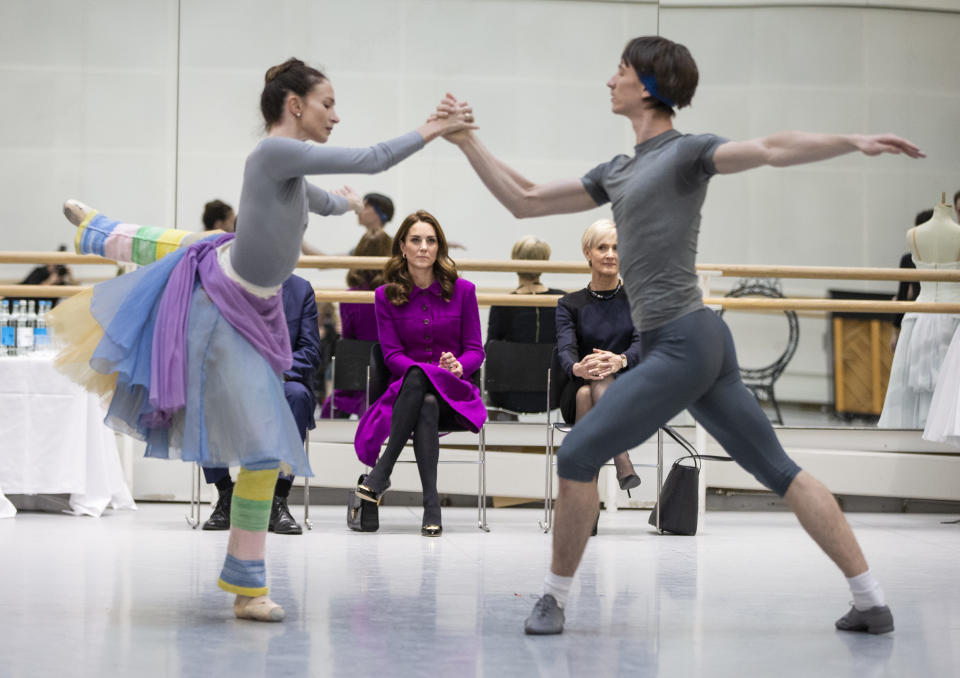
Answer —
(417, 411)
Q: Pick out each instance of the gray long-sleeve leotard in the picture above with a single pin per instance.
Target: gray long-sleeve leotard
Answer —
(275, 198)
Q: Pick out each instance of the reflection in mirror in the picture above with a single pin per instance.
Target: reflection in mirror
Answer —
(851, 69)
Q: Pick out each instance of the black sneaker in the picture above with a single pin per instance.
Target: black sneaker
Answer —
(545, 619)
(877, 619)
(220, 518)
(281, 521)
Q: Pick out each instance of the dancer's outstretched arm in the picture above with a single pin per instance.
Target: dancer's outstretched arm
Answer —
(521, 196)
(796, 148)
(286, 157)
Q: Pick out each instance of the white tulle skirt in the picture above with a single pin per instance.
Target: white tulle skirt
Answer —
(918, 366)
(943, 420)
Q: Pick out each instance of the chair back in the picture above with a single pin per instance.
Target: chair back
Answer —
(351, 357)
(518, 367)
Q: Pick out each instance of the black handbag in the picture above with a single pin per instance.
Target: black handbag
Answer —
(362, 515)
(680, 496)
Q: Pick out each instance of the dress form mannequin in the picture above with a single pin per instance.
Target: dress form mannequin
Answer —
(943, 421)
(936, 241)
(920, 362)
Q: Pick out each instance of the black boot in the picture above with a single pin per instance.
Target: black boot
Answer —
(220, 518)
(281, 521)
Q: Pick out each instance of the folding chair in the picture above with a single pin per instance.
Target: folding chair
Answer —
(518, 369)
(350, 371)
(380, 380)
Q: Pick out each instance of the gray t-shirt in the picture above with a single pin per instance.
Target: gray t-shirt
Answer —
(656, 196)
(275, 198)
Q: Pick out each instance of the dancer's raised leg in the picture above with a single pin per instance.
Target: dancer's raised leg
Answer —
(129, 243)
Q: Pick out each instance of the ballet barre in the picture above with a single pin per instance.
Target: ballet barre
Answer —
(530, 266)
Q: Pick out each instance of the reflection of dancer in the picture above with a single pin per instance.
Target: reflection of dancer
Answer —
(194, 369)
(359, 321)
(924, 337)
(429, 327)
(688, 355)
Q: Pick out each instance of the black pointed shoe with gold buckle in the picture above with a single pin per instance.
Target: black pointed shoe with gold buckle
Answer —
(369, 494)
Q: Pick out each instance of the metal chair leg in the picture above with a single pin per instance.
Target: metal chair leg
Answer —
(547, 523)
(482, 481)
(306, 486)
(193, 520)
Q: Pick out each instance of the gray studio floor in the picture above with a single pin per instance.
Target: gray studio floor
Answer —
(133, 594)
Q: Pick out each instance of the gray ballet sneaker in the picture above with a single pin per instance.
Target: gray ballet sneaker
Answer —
(546, 618)
(877, 619)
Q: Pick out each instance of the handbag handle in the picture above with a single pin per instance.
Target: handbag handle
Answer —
(692, 452)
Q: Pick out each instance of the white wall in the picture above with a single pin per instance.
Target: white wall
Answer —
(93, 112)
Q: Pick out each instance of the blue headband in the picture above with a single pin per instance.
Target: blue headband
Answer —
(380, 213)
(650, 82)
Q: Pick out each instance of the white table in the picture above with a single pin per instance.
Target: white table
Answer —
(53, 440)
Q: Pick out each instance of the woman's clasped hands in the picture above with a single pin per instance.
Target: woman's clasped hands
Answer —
(450, 363)
(598, 365)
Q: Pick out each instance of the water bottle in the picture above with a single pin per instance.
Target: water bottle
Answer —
(24, 330)
(8, 331)
(41, 339)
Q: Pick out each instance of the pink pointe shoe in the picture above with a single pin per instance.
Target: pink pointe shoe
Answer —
(260, 608)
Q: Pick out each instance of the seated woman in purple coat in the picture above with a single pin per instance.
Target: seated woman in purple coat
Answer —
(429, 327)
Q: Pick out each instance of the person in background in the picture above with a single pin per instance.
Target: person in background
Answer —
(376, 213)
(49, 274)
(907, 290)
(524, 324)
(596, 339)
(219, 216)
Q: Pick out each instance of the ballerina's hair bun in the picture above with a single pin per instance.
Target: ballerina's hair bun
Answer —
(291, 76)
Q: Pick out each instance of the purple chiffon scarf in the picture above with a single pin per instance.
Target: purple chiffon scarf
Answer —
(260, 321)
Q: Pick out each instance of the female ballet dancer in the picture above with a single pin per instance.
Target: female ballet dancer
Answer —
(189, 350)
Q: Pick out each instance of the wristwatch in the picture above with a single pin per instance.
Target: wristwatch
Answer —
(623, 359)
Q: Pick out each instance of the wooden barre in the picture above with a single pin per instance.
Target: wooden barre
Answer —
(547, 300)
(525, 266)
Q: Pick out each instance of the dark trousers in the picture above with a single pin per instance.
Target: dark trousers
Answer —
(421, 411)
(689, 363)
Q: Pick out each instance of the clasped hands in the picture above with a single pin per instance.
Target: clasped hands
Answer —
(450, 363)
(598, 365)
(459, 118)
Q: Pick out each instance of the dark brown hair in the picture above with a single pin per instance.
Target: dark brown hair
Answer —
(670, 63)
(376, 245)
(396, 275)
(291, 76)
(214, 211)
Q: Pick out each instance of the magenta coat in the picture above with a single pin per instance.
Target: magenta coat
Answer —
(415, 334)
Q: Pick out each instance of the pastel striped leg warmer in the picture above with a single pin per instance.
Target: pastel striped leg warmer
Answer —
(245, 570)
(142, 245)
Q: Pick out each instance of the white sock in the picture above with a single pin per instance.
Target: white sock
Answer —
(866, 591)
(558, 587)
